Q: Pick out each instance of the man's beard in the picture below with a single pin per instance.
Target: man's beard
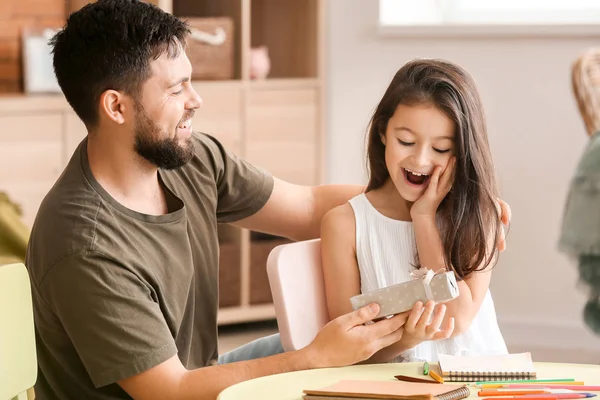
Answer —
(165, 153)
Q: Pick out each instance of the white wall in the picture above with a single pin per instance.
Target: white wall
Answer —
(536, 136)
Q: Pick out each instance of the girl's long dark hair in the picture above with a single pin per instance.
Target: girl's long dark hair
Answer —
(468, 217)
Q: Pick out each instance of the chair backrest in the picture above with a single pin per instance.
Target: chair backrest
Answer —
(585, 81)
(18, 362)
(14, 234)
(298, 289)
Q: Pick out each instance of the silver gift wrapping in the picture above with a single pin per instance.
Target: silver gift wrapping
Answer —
(399, 298)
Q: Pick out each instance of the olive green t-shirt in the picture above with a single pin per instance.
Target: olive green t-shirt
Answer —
(116, 292)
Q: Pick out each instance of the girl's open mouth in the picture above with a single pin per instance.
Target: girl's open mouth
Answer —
(415, 178)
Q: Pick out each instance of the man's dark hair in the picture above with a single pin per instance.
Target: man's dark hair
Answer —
(109, 45)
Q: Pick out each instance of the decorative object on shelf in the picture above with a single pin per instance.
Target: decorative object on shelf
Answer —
(210, 48)
(38, 70)
(260, 63)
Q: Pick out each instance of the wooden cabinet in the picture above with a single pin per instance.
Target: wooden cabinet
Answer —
(221, 112)
(276, 123)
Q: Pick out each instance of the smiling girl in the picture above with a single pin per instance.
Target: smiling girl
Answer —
(431, 202)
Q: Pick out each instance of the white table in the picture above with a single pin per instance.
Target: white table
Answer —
(289, 386)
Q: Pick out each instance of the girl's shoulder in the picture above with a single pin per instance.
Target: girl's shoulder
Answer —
(338, 227)
(340, 215)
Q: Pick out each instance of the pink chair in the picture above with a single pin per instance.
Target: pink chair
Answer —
(298, 289)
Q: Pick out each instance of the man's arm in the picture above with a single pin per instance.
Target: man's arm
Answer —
(170, 380)
(343, 341)
(295, 211)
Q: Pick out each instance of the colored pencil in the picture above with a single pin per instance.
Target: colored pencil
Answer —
(528, 386)
(540, 396)
(516, 392)
(521, 397)
(525, 381)
(533, 384)
(435, 376)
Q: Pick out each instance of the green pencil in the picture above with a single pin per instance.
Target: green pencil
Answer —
(525, 381)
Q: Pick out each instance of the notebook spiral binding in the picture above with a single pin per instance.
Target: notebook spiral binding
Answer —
(482, 376)
(457, 394)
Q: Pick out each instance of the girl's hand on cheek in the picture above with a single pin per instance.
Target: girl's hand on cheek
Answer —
(440, 184)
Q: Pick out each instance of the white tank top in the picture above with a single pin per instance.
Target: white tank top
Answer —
(386, 250)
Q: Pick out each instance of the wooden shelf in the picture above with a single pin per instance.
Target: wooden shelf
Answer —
(269, 83)
(285, 83)
(22, 103)
(236, 315)
(289, 29)
(220, 83)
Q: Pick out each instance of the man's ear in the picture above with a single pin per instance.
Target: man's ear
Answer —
(112, 106)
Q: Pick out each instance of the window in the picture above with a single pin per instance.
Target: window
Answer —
(410, 13)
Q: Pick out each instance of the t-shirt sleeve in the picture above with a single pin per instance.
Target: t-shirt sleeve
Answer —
(108, 312)
(242, 188)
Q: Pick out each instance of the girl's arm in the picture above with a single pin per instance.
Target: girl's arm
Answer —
(338, 255)
(472, 289)
(342, 281)
(431, 254)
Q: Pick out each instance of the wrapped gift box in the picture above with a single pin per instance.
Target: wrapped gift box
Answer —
(395, 299)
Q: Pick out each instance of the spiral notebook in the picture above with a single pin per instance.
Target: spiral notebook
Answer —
(487, 368)
(397, 390)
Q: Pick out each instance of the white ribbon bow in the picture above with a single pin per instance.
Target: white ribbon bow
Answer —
(426, 275)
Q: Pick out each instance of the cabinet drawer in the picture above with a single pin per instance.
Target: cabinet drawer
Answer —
(31, 150)
(291, 162)
(283, 133)
(221, 113)
(288, 115)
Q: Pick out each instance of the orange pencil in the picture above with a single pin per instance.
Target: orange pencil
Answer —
(436, 376)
